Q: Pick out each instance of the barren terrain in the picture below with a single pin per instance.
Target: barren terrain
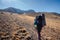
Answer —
(15, 26)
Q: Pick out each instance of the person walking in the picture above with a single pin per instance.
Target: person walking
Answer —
(39, 24)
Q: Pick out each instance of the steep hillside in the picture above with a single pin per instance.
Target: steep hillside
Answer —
(20, 27)
(16, 27)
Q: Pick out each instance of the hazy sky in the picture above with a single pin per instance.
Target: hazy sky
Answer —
(37, 5)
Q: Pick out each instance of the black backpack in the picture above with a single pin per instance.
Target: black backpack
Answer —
(36, 21)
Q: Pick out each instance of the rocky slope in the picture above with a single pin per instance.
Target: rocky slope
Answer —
(16, 27)
(21, 27)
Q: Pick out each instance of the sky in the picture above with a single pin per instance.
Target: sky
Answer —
(37, 5)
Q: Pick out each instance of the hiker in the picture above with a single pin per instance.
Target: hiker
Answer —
(39, 22)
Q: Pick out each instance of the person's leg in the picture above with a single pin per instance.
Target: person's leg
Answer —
(39, 36)
(39, 32)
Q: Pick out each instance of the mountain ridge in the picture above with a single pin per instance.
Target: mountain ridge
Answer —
(15, 10)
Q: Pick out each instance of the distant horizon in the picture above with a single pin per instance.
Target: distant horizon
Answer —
(27, 10)
(36, 5)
